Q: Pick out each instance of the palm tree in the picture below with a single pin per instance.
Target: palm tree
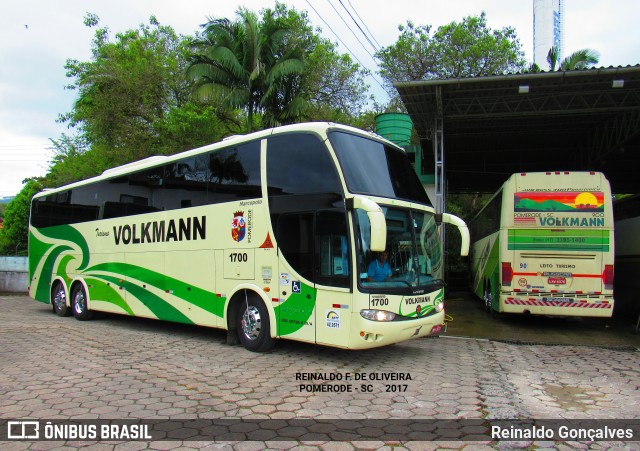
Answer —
(248, 64)
(580, 59)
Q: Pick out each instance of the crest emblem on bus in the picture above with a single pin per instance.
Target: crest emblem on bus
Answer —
(238, 226)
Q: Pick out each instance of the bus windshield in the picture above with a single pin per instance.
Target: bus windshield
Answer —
(374, 168)
(412, 258)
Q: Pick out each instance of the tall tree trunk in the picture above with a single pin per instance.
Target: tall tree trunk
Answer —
(250, 117)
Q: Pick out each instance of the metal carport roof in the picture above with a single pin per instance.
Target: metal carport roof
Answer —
(551, 121)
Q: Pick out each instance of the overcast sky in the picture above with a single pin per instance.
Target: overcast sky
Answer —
(38, 36)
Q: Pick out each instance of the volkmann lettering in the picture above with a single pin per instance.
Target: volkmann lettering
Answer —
(161, 231)
(572, 222)
(409, 301)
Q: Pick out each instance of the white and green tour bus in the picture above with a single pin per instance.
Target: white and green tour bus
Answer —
(543, 245)
(268, 235)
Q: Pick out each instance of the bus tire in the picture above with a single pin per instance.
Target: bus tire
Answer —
(253, 325)
(59, 300)
(488, 298)
(80, 304)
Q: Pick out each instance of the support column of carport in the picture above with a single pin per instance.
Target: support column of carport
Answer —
(438, 151)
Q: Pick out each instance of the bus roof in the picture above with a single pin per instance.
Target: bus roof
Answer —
(560, 180)
(156, 160)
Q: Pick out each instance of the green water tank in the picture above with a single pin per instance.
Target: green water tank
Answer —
(396, 127)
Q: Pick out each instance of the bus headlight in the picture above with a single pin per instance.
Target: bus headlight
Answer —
(377, 315)
(439, 306)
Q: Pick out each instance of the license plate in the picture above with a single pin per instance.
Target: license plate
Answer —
(557, 281)
(557, 299)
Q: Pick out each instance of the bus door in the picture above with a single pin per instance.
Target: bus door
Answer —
(297, 293)
(315, 299)
(332, 279)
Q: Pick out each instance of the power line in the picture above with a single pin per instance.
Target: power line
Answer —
(358, 25)
(345, 45)
(365, 25)
(349, 28)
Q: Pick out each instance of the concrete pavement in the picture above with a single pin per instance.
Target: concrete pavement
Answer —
(469, 319)
(115, 367)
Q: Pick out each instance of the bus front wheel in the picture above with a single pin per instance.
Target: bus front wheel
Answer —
(253, 325)
(59, 300)
(79, 304)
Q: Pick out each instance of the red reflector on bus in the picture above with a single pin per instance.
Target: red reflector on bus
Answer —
(607, 277)
(507, 273)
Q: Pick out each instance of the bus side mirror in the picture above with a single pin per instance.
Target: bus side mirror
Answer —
(376, 219)
(464, 231)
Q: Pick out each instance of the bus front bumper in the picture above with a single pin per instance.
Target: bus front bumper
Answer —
(370, 334)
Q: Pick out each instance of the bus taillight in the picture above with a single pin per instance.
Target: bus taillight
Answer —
(607, 277)
(507, 273)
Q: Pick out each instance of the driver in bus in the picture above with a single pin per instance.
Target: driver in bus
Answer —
(379, 269)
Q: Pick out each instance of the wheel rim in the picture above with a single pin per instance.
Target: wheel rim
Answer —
(59, 300)
(80, 303)
(487, 299)
(251, 323)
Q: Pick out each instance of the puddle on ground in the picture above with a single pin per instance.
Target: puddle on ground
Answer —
(572, 398)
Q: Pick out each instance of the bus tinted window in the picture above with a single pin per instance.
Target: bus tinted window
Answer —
(370, 167)
(488, 220)
(307, 209)
(300, 164)
(67, 207)
(137, 194)
(234, 173)
(221, 176)
(185, 183)
(626, 208)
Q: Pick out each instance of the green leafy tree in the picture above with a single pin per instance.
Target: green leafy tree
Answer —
(13, 235)
(133, 101)
(126, 87)
(332, 84)
(466, 49)
(246, 64)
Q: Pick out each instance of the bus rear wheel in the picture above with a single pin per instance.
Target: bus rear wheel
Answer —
(488, 298)
(59, 300)
(253, 325)
(80, 304)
